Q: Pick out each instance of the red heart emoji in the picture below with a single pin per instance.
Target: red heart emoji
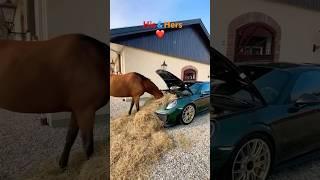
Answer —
(160, 33)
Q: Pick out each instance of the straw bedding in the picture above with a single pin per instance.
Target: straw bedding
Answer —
(137, 141)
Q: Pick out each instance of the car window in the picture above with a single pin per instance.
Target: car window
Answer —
(270, 85)
(195, 88)
(205, 87)
(235, 91)
(307, 83)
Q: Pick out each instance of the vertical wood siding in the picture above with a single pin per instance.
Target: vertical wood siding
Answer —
(184, 43)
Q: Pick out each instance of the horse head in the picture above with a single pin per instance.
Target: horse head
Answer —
(158, 94)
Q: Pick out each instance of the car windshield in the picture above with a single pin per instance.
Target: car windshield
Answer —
(269, 83)
(195, 88)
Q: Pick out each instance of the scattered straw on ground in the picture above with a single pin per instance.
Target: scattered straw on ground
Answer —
(138, 140)
(78, 168)
(183, 142)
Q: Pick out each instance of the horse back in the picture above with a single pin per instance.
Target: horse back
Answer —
(61, 74)
(126, 85)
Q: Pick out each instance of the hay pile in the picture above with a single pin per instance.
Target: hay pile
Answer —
(78, 168)
(137, 141)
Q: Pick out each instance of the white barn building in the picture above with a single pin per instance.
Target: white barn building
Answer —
(184, 52)
(267, 30)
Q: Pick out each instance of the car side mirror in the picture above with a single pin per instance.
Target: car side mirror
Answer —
(307, 99)
(303, 101)
(205, 93)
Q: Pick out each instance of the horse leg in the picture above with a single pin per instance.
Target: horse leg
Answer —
(87, 140)
(86, 120)
(137, 100)
(131, 106)
(70, 138)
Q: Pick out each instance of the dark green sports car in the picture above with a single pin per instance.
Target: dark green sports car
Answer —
(192, 98)
(261, 115)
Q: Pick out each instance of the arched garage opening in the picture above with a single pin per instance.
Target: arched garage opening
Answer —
(189, 73)
(254, 36)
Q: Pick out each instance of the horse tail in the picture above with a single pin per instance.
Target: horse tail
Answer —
(150, 87)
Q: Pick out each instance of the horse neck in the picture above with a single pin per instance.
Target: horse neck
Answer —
(151, 88)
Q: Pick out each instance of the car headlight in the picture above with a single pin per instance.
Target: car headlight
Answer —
(172, 104)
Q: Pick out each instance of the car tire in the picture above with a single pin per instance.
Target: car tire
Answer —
(188, 113)
(249, 164)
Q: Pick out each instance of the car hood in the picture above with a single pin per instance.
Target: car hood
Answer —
(223, 69)
(170, 79)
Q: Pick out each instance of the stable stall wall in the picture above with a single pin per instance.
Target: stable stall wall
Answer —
(299, 26)
(58, 17)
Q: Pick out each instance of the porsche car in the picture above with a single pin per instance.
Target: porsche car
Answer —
(192, 99)
(262, 115)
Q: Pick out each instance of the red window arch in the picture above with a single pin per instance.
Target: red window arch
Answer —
(189, 73)
(254, 42)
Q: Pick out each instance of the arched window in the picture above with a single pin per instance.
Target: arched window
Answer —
(3, 29)
(189, 73)
(254, 42)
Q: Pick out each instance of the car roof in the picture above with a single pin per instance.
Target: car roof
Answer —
(285, 66)
(282, 65)
(196, 82)
(202, 82)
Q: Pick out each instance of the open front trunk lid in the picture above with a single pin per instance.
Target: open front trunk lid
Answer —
(170, 79)
(222, 69)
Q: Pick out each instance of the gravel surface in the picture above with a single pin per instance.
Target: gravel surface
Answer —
(193, 162)
(187, 162)
(25, 143)
(301, 170)
(119, 107)
(190, 161)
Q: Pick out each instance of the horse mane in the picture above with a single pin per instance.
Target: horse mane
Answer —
(149, 86)
(141, 76)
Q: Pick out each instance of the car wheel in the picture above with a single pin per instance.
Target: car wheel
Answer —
(188, 114)
(252, 159)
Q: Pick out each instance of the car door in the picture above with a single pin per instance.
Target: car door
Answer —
(204, 97)
(300, 131)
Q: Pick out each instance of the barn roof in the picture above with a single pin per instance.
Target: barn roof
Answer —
(190, 42)
(309, 4)
(126, 31)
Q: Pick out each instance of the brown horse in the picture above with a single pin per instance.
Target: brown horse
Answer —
(65, 74)
(132, 85)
